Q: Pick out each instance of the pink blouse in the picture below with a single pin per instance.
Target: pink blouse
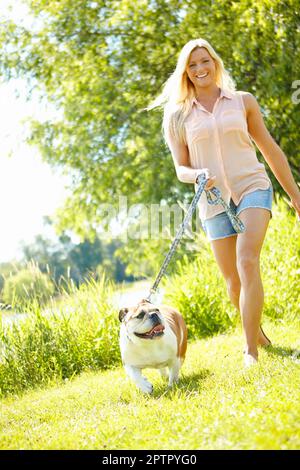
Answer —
(220, 141)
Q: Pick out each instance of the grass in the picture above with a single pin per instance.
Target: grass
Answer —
(62, 386)
(79, 331)
(216, 405)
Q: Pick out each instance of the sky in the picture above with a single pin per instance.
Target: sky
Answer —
(29, 188)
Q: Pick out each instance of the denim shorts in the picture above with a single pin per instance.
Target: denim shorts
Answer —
(220, 226)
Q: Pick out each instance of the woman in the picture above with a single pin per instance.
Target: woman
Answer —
(208, 127)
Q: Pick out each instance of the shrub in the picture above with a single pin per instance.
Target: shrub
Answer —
(27, 284)
(79, 334)
(281, 265)
(199, 292)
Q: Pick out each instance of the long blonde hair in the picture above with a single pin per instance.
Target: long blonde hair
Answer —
(178, 91)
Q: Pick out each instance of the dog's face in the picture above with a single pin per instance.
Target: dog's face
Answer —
(143, 321)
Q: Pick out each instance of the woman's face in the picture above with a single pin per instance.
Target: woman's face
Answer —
(201, 68)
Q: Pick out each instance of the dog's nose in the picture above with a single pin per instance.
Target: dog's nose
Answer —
(154, 317)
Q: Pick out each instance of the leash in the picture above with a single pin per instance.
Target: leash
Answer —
(234, 219)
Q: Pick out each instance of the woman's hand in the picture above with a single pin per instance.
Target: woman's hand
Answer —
(211, 179)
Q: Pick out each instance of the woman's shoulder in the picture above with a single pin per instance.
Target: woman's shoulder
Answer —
(248, 98)
(246, 95)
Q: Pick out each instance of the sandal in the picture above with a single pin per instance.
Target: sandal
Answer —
(249, 360)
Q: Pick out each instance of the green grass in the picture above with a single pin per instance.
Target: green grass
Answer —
(216, 405)
(62, 386)
(79, 331)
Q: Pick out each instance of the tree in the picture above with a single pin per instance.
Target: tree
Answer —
(63, 259)
(102, 62)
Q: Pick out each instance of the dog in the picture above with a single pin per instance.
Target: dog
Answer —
(152, 337)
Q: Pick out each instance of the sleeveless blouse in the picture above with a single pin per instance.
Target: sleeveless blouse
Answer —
(219, 140)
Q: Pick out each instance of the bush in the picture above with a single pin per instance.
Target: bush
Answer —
(27, 285)
(281, 265)
(199, 293)
(79, 334)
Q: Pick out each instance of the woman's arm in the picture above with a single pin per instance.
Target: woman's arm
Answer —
(181, 159)
(272, 153)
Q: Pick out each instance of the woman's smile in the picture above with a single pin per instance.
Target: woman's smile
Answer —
(202, 76)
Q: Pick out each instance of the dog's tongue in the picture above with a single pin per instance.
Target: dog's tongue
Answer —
(157, 328)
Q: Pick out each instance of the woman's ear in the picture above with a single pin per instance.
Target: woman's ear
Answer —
(122, 313)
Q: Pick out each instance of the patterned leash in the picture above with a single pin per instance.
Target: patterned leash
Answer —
(236, 223)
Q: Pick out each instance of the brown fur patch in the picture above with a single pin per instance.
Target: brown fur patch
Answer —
(177, 324)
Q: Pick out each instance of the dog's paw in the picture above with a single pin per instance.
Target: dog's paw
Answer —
(146, 386)
(173, 381)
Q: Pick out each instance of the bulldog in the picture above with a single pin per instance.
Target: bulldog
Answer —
(152, 337)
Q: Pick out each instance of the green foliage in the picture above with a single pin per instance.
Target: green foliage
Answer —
(27, 285)
(148, 239)
(281, 265)
(198, 291)
(62, 259)
(7, 269)
(101, 63)
(80, 334)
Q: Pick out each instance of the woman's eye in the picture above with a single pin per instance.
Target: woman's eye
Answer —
(140, 315)
(194, 65)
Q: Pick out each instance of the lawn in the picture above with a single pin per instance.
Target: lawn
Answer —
(216, 405)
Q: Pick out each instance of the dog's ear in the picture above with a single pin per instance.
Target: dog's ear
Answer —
(122, 313)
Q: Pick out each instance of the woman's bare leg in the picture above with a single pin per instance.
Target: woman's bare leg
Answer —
(248, 248)
(225, 254)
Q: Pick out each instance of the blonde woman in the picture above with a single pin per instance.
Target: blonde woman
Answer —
(209, 128)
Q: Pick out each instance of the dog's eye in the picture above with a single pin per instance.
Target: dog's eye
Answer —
(141, 315)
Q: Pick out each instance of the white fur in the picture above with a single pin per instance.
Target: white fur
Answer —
(157, 353)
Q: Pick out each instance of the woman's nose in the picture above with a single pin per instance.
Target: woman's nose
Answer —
(200, 69)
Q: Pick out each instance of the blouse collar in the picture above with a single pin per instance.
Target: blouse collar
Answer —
(224, 94)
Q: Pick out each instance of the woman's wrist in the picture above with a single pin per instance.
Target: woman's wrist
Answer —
(295, 197)
(294, 194)
(198, 173)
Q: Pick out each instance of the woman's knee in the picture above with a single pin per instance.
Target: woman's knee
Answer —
(247, 265)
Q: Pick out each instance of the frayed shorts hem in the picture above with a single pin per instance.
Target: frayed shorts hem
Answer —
(220, 227)
(222, 238)
(253, 207)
